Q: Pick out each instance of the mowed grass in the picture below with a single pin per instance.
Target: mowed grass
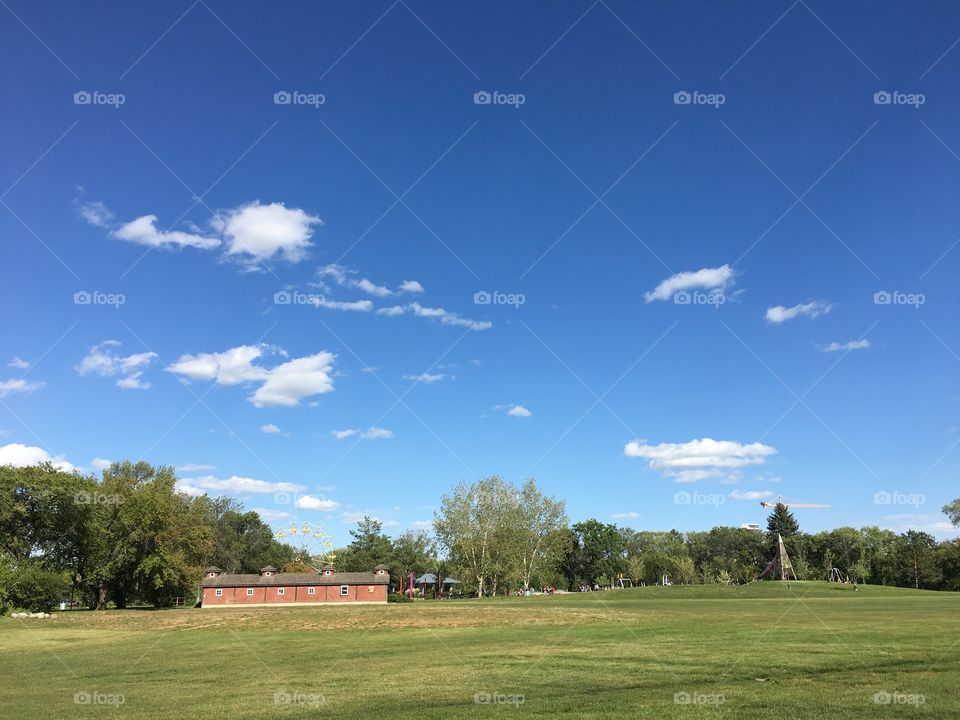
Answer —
(812, 650)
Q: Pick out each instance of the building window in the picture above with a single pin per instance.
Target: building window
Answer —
(219, 593)
(280, 591)
(249, 592)
(267, 574)
(344, 590)
(311, 591)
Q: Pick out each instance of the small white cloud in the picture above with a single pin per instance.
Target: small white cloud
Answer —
(235, 484)
(20, 455)
(710, 279)
(255, 233)
(374, 433)
(847, 346)
(625, 516)
(351, 306)
(428, 378)
(18, 385)
(519, 411)
(343, 434)
(751, 494)
(103, 361)
(371, 288)
(699, 459)
(309, 502)
(96, 213)
(284, 385)
(144, 231)
(392, 311)
(780, 314)
(192, 467)
(269, 428)
(411, 286)
(100, 463)
(18, 364)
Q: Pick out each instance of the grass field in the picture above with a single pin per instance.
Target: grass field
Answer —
(812, 650)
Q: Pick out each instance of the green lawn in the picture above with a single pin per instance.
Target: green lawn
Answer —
(812, 650)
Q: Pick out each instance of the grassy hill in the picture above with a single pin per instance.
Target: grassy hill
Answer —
(810, 650)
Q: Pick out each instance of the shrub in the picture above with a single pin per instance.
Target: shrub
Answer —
(35, 589)
(396, 597)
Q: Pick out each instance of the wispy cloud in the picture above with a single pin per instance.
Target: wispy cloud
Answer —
(780, 314)
(699, 459)
(128, 369)
(710, 279)
(851, 345)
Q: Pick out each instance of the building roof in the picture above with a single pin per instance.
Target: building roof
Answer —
(288, 579)
(213, 568)
(271, 568)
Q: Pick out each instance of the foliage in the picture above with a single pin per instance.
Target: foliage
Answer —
(781, 522)
(34, 588)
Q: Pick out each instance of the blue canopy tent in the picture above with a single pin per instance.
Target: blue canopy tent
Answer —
(431, 579)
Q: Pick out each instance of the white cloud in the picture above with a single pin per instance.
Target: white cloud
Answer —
(102, 361)
(751, 494)
(144, 231)
(519, 411)
(268, 514)
(698, 459)
(284, 385)
(287, 384)
(309, 502)
(18, 385)
(428, 378)
(192, 467)
(255, 233)
(270, 429)
(235, 484)
(349, 517)
(625, 516)
(20, 455)
(18, 364)
(411, 286)
(96, 213)
(392, 311)
(374, 433)
(422, 525)
(779, 314)
(930, 523)
(711, 279)
(444, 317)
(847, 346)
(353, 305)
(100, 463)
(371, 288)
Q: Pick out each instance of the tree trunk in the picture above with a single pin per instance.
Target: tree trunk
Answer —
(101, 597)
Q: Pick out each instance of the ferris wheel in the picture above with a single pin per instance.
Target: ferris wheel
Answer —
(313, 539)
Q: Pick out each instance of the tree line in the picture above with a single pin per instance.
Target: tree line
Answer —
(129, 538)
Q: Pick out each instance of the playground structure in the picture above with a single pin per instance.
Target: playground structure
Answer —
(780, 568)
(835, 575)
(318, 546)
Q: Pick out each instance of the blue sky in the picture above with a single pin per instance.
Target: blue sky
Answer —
(630, 158)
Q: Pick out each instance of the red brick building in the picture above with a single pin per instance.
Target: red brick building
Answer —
(276, 588)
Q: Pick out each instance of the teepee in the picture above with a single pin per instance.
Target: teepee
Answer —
(780, 568)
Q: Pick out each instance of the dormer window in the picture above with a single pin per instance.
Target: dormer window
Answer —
(268, 571)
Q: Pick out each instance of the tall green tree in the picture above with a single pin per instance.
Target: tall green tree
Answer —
(917, 560)
(369, 547)
(781, 521)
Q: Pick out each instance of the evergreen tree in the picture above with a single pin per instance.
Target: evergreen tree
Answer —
(782, 521)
